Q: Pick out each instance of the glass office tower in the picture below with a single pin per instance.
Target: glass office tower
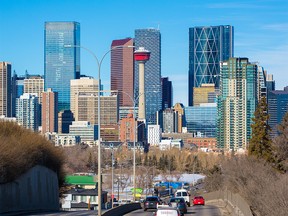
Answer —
(150, 39)
(201, 120)
(277, 108)
(61, 64)
(208, 46)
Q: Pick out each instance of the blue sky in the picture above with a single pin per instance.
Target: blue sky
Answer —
(260, 27)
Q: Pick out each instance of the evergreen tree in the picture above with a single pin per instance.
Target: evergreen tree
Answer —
(281, 145)
(260, 144)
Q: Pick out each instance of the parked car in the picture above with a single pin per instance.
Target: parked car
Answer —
(178, 202)
(183, 193)
(198, 200)
(151, 202)
(167, 211)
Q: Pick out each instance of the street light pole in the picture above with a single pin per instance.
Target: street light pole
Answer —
(134, 140)
(112, 192)
(99, 63)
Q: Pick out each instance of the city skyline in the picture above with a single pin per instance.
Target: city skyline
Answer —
(260, 33)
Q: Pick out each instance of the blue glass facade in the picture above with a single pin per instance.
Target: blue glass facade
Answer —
(61, 64)
(208, 46)
(150, 39)
(201, 120)
(277, 108)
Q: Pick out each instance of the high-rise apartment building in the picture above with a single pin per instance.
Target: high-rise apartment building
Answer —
(27, 111)
(122, 70)
(236, 103)
(154, 135)
(170, 124)
(49, 111)
(82, 85)
(261, 83)
(61, 59)
(277, 108)
(167, 93)
(5, 86)
(208, 46)
(34, 85)
(150, 39)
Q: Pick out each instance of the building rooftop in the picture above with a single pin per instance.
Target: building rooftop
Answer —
(80, 180)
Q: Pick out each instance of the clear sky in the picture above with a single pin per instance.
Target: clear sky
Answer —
(260, 27)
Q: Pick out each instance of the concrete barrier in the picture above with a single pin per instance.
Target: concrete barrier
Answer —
(234, 202)
(36, 190)
(123, 209)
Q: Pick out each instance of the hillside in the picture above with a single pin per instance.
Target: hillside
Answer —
(22, 149)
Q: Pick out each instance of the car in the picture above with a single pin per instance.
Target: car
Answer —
(183, 193)
(151, 202)
(198, 200)
(167, 211)
(179, 203)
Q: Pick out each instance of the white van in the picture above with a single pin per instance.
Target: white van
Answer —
(183, 193)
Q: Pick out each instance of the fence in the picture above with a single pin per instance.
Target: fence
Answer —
(238, 205)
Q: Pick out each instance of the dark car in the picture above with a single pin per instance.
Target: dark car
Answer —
(178, 202)
(151, 202)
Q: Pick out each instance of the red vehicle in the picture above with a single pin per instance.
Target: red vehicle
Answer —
(198, 200)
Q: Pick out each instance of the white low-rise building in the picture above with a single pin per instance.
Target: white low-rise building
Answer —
(169, 143)
(66, 140)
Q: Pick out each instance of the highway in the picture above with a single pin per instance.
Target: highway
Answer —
(193, 210)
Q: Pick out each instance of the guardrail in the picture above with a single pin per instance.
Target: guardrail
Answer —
(238, 205)
(123, 209)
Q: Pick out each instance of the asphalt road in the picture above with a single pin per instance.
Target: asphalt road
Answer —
(193, 210)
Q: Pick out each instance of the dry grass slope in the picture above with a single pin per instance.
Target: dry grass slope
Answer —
(22, 149)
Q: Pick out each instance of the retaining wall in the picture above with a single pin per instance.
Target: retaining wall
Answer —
(123, 209)
(237, 204)
(36, 190)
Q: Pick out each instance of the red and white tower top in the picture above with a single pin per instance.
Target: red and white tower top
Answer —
(141, 54)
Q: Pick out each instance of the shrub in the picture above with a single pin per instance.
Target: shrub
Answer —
(22, 149)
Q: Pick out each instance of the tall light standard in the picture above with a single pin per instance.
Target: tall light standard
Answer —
(99, 63)
(112, 166)
(134, 140)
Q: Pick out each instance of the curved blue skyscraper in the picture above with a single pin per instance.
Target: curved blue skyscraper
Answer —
(208, 46)
(61, 64)
(150, 39)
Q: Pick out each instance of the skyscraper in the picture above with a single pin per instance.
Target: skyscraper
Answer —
(150, 39)
(167, 93)
(236, 103)
(208, 46)
(122, 70)
(5, 86)
(61, 64)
